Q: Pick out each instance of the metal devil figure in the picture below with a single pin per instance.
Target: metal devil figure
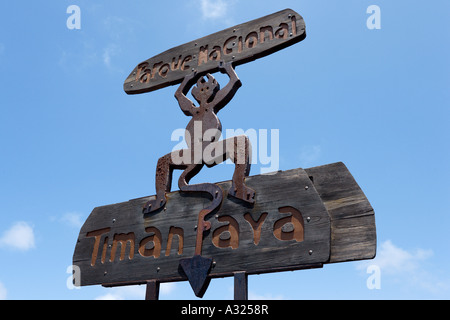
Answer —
(211, 99)
(289, 220)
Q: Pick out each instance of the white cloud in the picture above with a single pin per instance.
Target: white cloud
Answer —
(167, 288)
(135, 292)
(109, 296)
(124, 293)
(409, 269)
(20, 236)
(108, 53)
(394, 260)
(213, 9)
(72, 219)
(3, 292)
(264, 296)
(309, 155)
(107, 57)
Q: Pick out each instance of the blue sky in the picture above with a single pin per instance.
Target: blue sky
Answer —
(72, 140)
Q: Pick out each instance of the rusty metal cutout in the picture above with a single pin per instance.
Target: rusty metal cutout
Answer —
(204, 122)
(211, 100)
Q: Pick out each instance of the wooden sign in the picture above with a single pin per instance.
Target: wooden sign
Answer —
(286, 220)
(239, 44)
(300, 219)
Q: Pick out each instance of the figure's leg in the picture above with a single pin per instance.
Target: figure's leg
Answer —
(238, 149)
(242, 159)
(189, 172)
(163, 179)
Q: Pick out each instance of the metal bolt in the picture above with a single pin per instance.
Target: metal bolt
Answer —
(195, 227)
(157, 269)
(233, 57)
(214, 264)
(310, 252)
(308, 219)
(217, 216)
(113, 220)
(306, 187)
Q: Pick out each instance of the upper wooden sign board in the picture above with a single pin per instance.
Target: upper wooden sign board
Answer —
(239, 44)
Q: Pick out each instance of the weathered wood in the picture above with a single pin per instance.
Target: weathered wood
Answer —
(240, 285)
(353, 231)
(118, 243)
(301, 219)
(239, 44)
(152, 290)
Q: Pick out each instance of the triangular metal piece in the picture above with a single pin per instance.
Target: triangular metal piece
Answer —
(196, 270)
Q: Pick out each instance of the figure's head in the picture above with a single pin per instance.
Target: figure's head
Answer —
(205, 91)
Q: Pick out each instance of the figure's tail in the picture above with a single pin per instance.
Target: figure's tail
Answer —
(217, 195)
(210, 188)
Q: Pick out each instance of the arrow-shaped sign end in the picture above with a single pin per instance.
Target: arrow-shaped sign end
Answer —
(197, 269)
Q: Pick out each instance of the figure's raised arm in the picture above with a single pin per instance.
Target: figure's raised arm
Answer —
(226, 94)
(185, 103)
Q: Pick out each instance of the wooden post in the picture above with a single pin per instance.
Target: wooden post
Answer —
(152, 291)
(240, 285)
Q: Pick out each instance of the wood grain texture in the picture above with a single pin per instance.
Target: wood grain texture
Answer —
(353, 231)
(125, 245)
(239, 44)
(240, 286)
(119, 245)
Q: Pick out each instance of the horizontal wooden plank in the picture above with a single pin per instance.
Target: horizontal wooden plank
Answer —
(352, 217)
(288, 228)
(119, 245)
(239, 44)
